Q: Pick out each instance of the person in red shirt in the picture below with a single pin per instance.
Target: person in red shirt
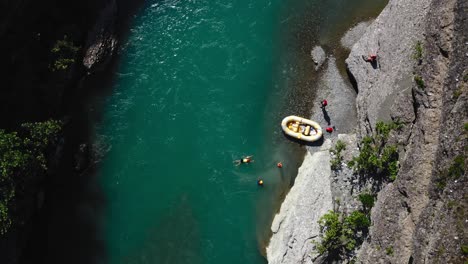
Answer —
(371, 58)
(329, 129)
(324, 103)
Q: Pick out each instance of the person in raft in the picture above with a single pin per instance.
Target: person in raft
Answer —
(246, 159)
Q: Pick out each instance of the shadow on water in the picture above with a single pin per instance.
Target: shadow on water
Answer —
(317, 143)
(68, 227)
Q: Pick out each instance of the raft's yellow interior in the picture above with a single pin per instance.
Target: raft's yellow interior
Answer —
(296, 126)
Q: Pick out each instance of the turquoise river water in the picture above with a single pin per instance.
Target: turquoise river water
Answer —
(201, 83)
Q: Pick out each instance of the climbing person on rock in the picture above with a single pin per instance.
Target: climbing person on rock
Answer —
(246, 159)
(371, 58)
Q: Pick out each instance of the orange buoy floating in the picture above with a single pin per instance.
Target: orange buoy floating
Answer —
(279, 165)
(260, 182)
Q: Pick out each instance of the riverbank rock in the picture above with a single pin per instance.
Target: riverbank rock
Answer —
(318, 56)
(354, 34)
(341, 110)
(102, 39)
(295, 226)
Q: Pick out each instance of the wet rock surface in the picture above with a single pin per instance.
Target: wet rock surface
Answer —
(354, 34)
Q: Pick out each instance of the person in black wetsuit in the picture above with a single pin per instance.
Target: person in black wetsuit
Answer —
(246, 159)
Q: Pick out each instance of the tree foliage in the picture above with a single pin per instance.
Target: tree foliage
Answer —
(367, 200)
(377, 158)
(336, 161)
(341, 234)
(21, 156)
(64, 53)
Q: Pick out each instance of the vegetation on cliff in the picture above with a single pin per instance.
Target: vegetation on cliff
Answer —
(341, 234)
(377, 158)
(64, 53)
(22, 156)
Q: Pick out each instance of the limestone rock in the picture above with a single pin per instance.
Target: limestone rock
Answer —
(392, 36)
(102, 40)
(295, 226)
(318, 56)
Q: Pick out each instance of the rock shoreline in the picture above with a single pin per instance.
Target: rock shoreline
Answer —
(415, 218)
(295, 227)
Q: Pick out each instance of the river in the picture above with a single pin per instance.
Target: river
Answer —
(199, 84)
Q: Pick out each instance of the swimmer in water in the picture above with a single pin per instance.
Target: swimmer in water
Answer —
(246, 159)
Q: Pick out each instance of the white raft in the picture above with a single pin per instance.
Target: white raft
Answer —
(301, 128)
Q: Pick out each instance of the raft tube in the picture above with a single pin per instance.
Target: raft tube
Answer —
(301, 128)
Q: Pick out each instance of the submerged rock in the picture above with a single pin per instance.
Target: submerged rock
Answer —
(354, 34)
(318, 56)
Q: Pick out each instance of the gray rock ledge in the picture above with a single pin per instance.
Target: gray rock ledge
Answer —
(295, 226)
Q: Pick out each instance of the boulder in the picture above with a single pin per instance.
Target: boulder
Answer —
(102, 39)
(318, 56)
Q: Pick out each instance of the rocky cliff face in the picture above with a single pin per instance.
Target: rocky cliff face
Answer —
(421, 217)
(392, 36)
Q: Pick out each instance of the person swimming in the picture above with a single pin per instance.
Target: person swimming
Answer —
(246, 159)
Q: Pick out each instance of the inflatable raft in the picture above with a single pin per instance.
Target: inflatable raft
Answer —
(301, 128)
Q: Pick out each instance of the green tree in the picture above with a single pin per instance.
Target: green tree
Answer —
(64, 53)
(377, 158)
(21, 156)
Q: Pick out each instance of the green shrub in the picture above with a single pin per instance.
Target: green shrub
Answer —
(419, 82)
(21, 156)
(357, 221)
(64, 53)
(340, 235)
(457, 92)
(367, 200)
(455, 171)
(376, 158)
(389, 251)
(464, 249)
(418, 51)
(335, 163)
(340, 146)
(331, 229)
